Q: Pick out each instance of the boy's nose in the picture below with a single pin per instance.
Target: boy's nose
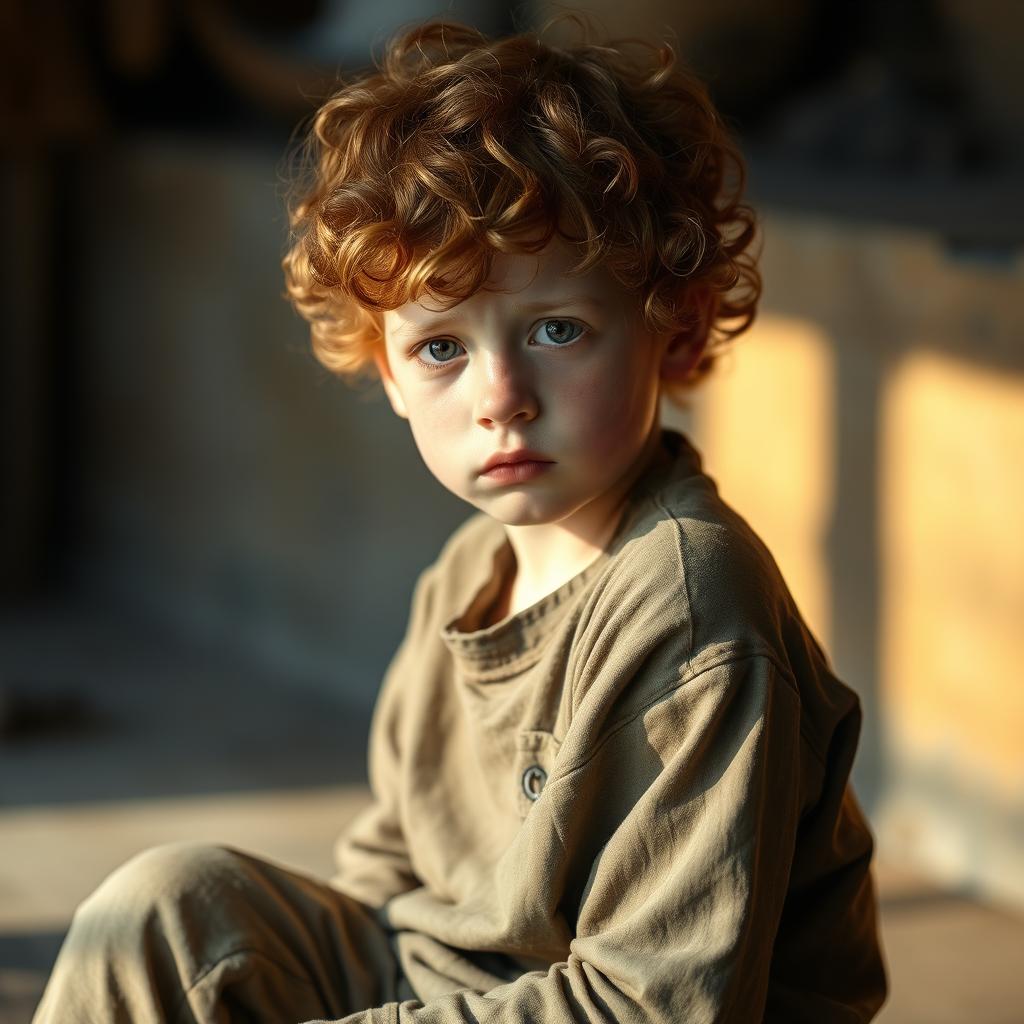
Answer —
(504, 392)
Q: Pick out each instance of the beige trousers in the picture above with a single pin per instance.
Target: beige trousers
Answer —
(194, 933)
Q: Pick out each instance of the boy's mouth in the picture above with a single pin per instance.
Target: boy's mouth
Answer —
(516, 472)
(513, 458)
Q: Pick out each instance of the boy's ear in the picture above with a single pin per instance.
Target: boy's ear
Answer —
(681, 356)
(683, 350)
(380, 357)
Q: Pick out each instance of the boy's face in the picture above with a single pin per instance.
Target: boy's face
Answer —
(562, 366)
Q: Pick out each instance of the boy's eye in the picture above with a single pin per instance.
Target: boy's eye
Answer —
(557, 332)
(442, 351)
(553, 332)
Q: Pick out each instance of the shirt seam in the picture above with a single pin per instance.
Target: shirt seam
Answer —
(676, 684)
(681, 555)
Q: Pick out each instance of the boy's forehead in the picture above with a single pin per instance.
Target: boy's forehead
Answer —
(519, 282)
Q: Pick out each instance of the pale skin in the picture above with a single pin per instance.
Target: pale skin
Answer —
(562, 365)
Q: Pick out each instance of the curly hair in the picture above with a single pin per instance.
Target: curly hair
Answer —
(458, 147)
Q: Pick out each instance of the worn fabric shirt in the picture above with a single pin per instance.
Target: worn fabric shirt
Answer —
(628, 802)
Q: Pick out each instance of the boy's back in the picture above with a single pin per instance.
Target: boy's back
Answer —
(635, 789)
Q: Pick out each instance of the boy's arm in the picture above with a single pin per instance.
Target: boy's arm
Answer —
(682, 905)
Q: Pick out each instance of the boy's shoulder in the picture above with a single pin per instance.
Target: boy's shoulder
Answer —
(681, 538)
(715, 586)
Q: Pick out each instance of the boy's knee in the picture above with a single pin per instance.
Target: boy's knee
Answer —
(159, 880)
(156, 923)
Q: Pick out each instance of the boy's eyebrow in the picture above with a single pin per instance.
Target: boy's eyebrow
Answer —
(415, 327)
(559, 300)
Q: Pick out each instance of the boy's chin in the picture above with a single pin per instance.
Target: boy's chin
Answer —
(523, 509)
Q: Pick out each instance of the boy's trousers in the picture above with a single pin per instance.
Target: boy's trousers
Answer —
(194, 933)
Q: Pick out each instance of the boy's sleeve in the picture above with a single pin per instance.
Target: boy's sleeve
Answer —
(371, 857)
(679, 914)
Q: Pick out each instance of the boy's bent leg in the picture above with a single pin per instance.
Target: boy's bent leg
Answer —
(194, 933)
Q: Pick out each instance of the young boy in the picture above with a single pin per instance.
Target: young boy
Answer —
(609, 761)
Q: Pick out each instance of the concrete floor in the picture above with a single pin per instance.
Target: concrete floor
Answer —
(177, 742)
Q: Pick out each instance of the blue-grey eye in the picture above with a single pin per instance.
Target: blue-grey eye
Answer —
(444, 350)
(557, 332)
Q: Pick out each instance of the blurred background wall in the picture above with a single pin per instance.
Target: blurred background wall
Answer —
(171, 452)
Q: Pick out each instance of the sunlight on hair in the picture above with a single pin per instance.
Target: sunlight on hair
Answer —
(459, 149)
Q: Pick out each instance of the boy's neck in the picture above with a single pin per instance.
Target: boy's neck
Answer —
(550, 554)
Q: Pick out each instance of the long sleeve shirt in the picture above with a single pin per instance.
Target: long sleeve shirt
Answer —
(626, 803)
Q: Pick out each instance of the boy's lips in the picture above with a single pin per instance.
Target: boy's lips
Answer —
(513, 457)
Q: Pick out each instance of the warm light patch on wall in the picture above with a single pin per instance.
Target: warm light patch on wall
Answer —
(952, 494)
(764, 423)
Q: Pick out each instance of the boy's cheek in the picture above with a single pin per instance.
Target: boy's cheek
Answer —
(608, 419)
(441, 457)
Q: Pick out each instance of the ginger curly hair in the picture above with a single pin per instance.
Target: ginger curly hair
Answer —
(458, 147)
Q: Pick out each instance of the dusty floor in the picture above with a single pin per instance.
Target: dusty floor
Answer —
(180, 743)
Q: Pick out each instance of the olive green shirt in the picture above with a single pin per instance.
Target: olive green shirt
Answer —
(628, 802)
